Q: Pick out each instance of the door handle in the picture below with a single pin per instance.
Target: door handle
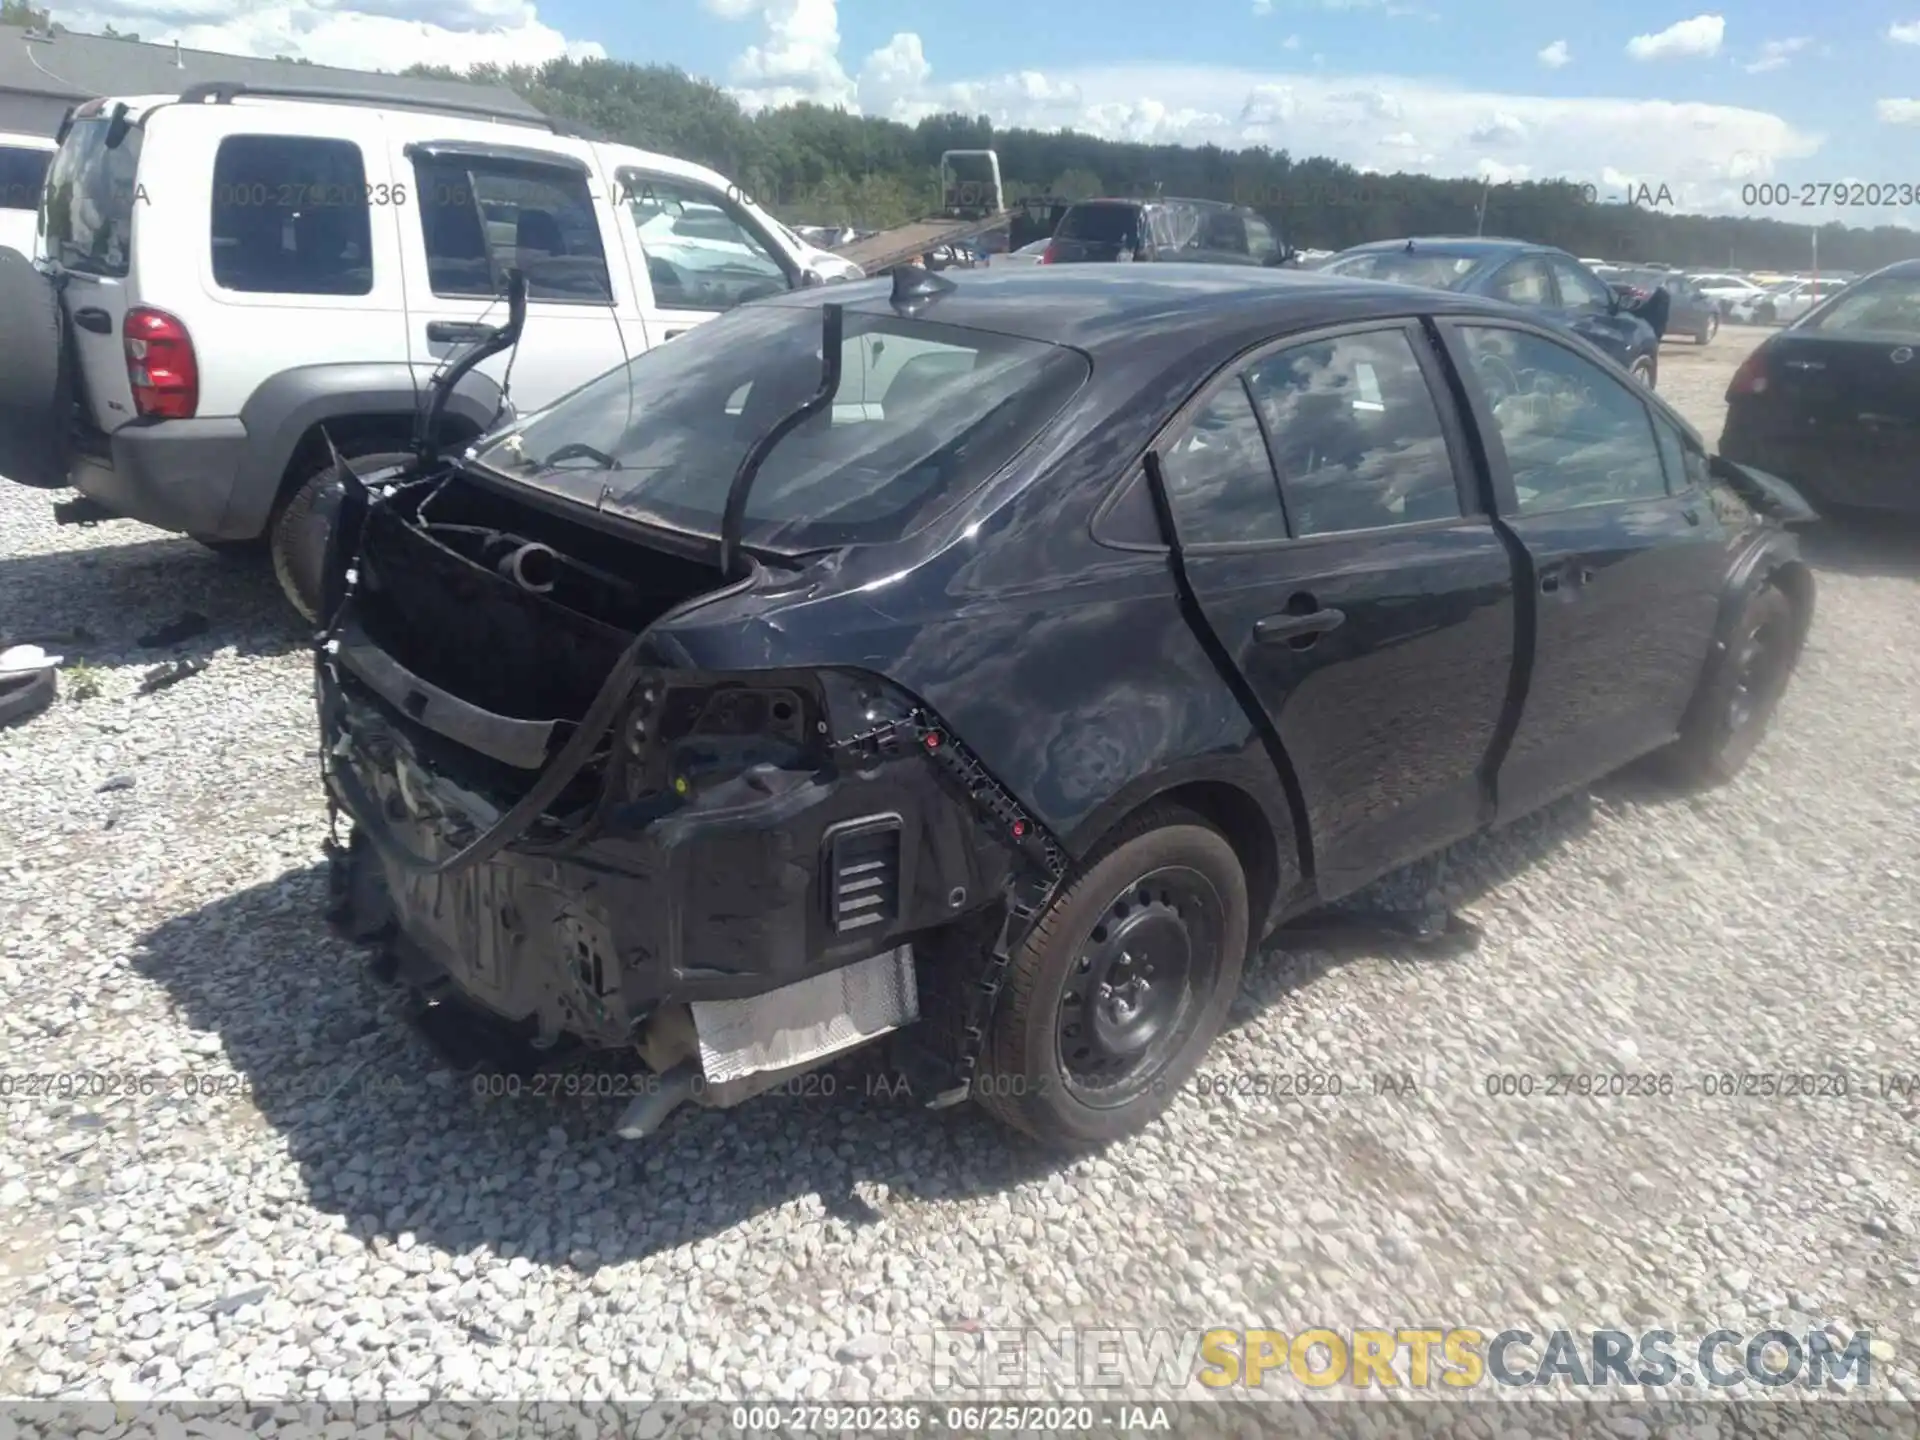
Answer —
(1690, 515)
(95, 319)
(1287, 626)
(453, 332)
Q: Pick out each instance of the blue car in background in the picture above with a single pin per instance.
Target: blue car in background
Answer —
(1539, 278)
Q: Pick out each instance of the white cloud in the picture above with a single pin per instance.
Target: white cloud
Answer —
(1555, 55)
(1500, 129)
(1498, 173)
(1699, 36)
(1292, 42)
(1905, 34)
(374, 34)
(1898, 112)
(1262, 7)
(1775, 54)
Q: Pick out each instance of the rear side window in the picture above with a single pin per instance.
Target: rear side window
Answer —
(1356, 437)
(482, 217)
(291, 216)
(1219, 477)
(22, 173)
(92, 192)
(1401, 267)
(1524, 282)
(1889, 305)
(1102, 224)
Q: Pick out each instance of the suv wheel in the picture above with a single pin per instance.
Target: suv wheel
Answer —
(1121, 986)
(1642, 370)
(297, 533)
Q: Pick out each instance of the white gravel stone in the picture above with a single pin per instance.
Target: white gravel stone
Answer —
(287, 1129)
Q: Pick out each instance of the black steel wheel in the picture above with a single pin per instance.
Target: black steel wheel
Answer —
(1121, 985)
(297, 533)
(1741, 690)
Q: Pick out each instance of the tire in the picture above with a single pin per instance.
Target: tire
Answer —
(24, 696)
(1099, 933)
(297, 537)
(1643, 371)
(35, 377)
(1709, 328)
(1736, 700)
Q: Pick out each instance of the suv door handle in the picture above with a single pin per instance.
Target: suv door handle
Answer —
(1690, 515)
(95, 319)
(450, 332)
(1286, 626)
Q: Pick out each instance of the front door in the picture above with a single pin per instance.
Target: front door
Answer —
(482, 210)
(1587, 307)
(1350, 571)
(1624, 573)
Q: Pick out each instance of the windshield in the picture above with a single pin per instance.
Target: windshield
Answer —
(22, 172)
(1435, 272)
(1887, 306)
(924, 413)
(88, 219)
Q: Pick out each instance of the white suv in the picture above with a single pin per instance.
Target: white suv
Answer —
(243, 274)
(23, 170)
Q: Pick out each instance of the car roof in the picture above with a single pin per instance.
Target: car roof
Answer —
(1092, 306)
(1900, 270)
(1481, 246)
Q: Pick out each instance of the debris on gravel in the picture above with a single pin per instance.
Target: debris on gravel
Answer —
(229, 1166)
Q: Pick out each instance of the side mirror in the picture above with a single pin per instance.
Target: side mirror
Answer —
(811, 279)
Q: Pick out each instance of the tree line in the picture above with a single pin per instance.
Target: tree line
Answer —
(812, 165)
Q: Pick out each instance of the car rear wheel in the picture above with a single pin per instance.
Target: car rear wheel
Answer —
(1121, 985)
(1643, 371)
(1737, 699)
(297, 534)
(1709, 328)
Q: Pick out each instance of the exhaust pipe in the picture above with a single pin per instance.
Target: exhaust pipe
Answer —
(647, 1113)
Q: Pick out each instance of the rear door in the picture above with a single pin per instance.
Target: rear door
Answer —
(483, 208)
(1626, 568)
(697, 250)
(1350, 571)
(91, 213)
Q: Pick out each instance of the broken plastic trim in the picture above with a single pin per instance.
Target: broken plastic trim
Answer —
(733, 517)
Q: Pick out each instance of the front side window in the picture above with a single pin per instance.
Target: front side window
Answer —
(23, 174)
(1356, 436)
(1524, 282)
(1261, 244)
(483, 216)
(1218, 475)
(1573, 435)
(291, 216)
(1579, 290)
(923, 414)
(701, 253)
(92, 191)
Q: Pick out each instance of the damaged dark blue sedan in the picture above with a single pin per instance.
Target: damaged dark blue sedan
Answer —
(992, 662)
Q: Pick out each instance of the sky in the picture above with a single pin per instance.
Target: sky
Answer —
(1760, 108)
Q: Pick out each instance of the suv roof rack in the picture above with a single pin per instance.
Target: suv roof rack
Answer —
(224, 92)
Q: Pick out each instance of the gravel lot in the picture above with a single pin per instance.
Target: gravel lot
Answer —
(343, 1222)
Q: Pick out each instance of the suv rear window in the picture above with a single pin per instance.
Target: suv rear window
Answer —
(91, 195)
(290, 216)
(22, 173)
(924, 413)
(1102, 224)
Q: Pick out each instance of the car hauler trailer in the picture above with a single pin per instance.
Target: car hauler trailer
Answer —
(973, 202)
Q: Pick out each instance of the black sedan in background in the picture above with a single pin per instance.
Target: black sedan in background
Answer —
(1691, 312)
(1832, 402)
(1549, 282)
(995, 659)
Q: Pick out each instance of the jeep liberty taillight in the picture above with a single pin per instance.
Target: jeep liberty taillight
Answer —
(161, 366)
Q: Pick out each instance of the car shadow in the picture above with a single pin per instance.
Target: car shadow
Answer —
(392, 1143)
(1883, 546)
(95, 605)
